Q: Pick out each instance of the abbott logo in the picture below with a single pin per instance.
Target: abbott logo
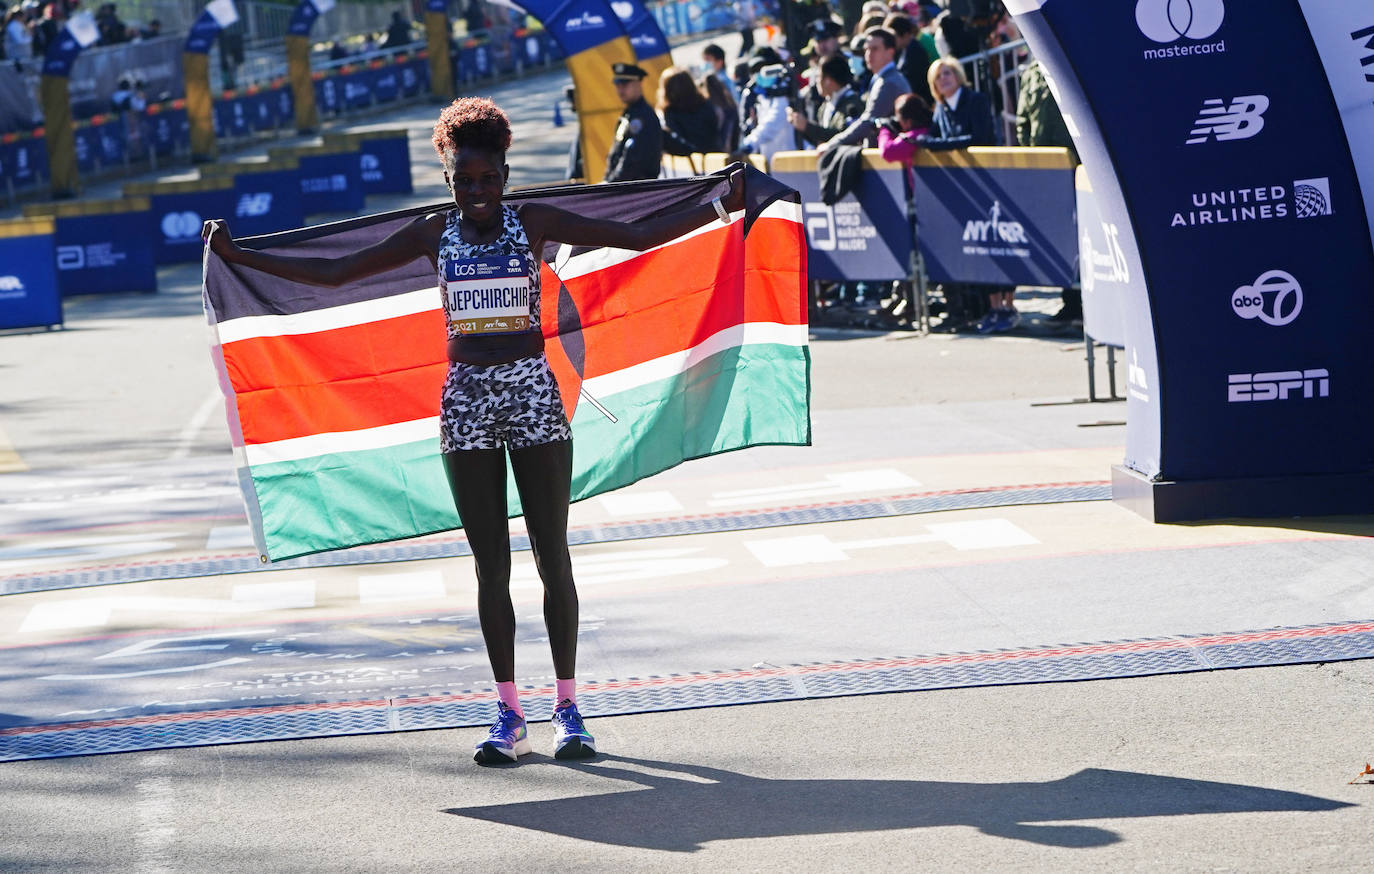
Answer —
(1275, 299)
(1166, 21)
(11, 283)
(1240, 120)
(1244, 388)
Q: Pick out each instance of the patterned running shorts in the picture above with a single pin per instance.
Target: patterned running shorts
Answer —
(513, 405)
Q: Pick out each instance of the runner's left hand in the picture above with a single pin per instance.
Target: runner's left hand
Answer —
(733, 201)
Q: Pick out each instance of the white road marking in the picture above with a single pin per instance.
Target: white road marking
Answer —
(884, 480)
(158, 645)
(380, 588)
(590, 569)
(819, 549)
(186, 436)
(82, 550)
(639, 503)
(95, 612)
(229, 537)
(155, 809)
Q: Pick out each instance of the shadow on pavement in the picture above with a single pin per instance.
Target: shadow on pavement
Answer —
(682, 813)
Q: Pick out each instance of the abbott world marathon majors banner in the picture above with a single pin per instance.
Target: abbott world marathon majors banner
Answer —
(1241, 185)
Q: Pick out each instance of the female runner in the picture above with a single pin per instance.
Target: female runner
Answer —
(500, 395)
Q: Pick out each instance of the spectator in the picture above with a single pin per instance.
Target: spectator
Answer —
(397, 33)
(953, 36)
(337, 51)
(722, 100)
(713, 57)
(825, 38)
(899, 140)
(474, 17)
(924, 19)
(880, 52)
(771, 133)
(1040, 123)
(151, 30)
(18, 37)
(762, 56)
(840, 107)
(963, 118)
(112, 31)
(231, 53)
(689, 120)
(637, 152)
(49, 25)
(911, 56)
(746, 16)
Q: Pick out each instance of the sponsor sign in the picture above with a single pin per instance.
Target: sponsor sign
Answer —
(177, 219)
(864, 236)
(996, 225)
(28, 282)
(384, 165)
(266, 202)
(104, 253)
(1246, 208)
(331, 183)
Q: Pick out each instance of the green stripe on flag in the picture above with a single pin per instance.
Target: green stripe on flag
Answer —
(750, 395)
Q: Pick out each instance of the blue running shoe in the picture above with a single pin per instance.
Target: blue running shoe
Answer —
(507, 739)
(1008, 321)
(989, 322)
(571, 740)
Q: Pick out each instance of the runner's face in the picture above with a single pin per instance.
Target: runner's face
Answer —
(477, 181)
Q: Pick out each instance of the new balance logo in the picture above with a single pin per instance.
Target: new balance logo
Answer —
(1240, 120)
(252, 205)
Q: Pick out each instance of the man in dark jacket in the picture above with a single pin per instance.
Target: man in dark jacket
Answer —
(638, 149)
(880, 52)
(842, 104)
(911, 55)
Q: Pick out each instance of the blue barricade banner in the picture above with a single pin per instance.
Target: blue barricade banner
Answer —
(329, 95)
(105, 246)
(997, 216)
(179, 209)
(266, 202)
(864, 236)
(167, 131)
(331, 181)
(100, 145)
(383, 160)
(28, 275)
(386, 84)
(232, 118)
(24, 162)
(357, 88)
(1246, 202)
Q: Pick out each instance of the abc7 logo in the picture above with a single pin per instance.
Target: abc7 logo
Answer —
(1170, 20)
(180, 225)
(1275, 299)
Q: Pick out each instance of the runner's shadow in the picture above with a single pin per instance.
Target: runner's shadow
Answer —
(682, 813)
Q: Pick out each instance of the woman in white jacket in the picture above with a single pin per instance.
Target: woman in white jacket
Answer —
(773, 132)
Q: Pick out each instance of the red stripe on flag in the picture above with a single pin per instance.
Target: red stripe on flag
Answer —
(345, 379)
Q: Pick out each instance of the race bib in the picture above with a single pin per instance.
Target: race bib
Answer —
(488, 295)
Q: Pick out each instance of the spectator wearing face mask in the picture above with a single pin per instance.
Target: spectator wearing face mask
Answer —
(771, 132)
(880, 52)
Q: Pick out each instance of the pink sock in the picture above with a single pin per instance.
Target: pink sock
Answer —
(509, 697)
(567, 690)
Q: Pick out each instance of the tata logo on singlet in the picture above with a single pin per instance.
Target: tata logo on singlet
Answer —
(1181, 25)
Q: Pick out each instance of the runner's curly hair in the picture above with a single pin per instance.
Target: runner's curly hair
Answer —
(471, 121)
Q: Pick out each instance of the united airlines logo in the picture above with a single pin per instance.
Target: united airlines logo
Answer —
(1240, 119)
(1312, 198)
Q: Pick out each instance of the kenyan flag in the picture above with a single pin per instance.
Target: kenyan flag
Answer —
(332, 394)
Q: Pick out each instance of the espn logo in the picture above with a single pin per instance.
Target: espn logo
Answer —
(1242, 388)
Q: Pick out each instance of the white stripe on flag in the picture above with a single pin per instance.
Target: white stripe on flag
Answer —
(344, 316)
(665, 367)
(312, 445)
(668, 366)
(599, 259)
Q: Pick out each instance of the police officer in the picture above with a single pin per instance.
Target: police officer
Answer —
(638, 149)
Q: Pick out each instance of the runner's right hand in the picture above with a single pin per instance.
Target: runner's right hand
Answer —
(217, 232)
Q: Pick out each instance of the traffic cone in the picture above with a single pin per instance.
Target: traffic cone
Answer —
(558, 113)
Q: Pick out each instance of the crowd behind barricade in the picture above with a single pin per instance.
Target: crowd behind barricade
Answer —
(873, 74)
